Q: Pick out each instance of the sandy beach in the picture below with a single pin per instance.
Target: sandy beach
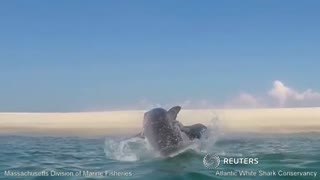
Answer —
(129, 122)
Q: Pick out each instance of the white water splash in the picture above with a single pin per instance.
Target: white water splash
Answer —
(135, 149)
(132, 149)
(211, 136)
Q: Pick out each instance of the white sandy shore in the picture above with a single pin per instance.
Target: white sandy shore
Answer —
(130, 122)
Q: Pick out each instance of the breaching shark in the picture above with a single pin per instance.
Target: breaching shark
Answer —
(164, 132)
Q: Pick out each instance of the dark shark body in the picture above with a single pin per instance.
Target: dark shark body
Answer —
(164, 132)
(160, 131)
(193, 132)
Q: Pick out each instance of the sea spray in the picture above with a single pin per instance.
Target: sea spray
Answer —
(134, 149)
(211, 135)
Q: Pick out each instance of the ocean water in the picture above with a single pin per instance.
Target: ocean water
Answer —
(42, 157)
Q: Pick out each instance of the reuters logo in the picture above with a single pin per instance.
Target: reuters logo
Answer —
(211, 161)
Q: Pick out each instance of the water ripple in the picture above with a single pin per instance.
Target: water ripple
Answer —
(298, 152)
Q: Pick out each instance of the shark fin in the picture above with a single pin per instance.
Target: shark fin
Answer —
(173, 112)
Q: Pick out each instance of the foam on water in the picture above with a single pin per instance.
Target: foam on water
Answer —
(134, 149)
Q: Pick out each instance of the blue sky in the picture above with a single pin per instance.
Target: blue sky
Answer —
(84, 55)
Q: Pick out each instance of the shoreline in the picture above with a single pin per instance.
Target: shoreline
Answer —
(286, 120)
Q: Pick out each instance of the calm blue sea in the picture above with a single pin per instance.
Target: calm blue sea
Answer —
(115, 158)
